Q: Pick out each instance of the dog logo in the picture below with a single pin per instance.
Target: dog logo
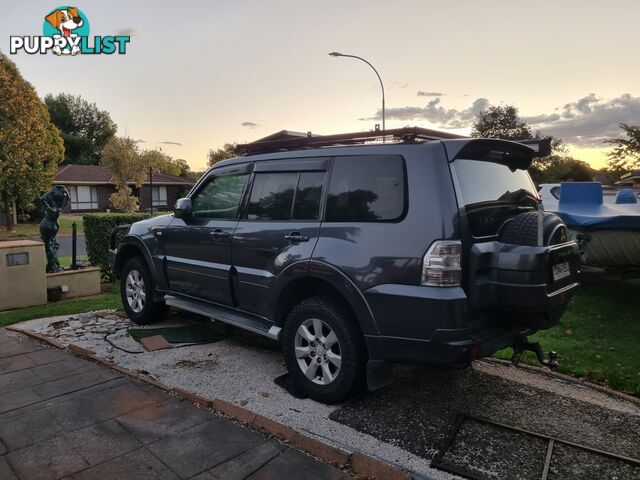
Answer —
(65, 31)
(68, 23)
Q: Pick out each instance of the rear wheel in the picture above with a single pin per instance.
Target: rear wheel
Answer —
(136, 293)
(324, 350)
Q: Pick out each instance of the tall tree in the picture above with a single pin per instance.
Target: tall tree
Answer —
(85, 129)
(161, 162)
(30, 145)
(501, 122)
(228, 150)
(127, 165)
(625, 155)
(504, 122)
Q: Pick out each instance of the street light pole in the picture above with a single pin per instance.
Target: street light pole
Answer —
(338, 54)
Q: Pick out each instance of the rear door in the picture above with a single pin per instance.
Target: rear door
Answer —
(198, 249)
(280, 226)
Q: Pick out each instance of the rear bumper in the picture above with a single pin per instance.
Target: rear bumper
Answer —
(512, 293)
(454, 348)
(433, 325)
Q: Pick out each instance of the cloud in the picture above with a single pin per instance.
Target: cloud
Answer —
(250, 125)
(170, 143)
(126, 32)
(139, 140)
(590, 120)
(436, 113)
(422, 93)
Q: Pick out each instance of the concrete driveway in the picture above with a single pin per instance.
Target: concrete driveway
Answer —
(406, 423)
(62, 416)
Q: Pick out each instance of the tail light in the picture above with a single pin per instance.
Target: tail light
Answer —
(441, 264)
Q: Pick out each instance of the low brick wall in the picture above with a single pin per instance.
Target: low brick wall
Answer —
(80, 283)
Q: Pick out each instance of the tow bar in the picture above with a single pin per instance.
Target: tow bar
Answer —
(523, 344)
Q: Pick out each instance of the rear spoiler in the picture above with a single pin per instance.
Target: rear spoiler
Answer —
(541, 147)
(515, 155)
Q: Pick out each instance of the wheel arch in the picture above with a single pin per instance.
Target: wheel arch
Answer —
(129, 248)
(321, 279)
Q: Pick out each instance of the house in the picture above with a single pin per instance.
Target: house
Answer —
(90, 187)
(631, 179)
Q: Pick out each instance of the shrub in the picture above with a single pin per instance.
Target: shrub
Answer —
(97, 231)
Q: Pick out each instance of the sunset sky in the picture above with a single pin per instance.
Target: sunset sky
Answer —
(198, 74)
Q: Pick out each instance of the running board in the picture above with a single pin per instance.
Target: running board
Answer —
(223, 314)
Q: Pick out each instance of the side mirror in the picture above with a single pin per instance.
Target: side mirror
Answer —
(182, 208)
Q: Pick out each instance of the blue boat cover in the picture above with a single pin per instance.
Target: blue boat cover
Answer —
(581, 208)
(626, 195)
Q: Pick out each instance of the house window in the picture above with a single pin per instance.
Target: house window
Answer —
(159, 196)
(83, 197)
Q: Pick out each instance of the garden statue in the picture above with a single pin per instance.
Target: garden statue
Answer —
(53, 202)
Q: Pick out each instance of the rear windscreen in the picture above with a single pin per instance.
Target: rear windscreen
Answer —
(491, 193)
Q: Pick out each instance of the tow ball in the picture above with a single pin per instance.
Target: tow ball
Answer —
(523, 344)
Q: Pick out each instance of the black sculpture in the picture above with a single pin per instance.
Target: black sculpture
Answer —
(53, 202)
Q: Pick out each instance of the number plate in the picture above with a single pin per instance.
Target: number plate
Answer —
(560, 271)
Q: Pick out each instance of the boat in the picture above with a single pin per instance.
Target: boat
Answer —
(607, 233)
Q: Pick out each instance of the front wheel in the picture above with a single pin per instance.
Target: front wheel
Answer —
(136, 293)
(324, 350)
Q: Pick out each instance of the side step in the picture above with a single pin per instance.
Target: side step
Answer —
(247, 321)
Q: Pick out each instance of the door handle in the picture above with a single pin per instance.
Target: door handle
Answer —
(296, 237)
(219, 233)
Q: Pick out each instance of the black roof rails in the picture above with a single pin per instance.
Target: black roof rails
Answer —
(287, 140)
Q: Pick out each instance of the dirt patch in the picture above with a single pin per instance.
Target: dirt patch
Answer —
(418, 411)
(196, 363)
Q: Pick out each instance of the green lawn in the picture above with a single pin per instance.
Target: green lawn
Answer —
(65, 260)
(28, 230)
(599, 336)
(64, 307)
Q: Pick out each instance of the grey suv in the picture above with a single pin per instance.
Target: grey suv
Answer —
(353, 255)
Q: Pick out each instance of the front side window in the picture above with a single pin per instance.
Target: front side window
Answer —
(366, 188)
(220, 197)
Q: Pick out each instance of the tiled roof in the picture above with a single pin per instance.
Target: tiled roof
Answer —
(97, 174)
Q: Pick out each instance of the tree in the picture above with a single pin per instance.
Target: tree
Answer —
(127, 165)
(227, 151)
(30, 145)
(501, 122)
(625, 156)
(183, 166)
(505, 123)
(161, 162)
(84, 128)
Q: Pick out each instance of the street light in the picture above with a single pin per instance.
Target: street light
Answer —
(338, 54)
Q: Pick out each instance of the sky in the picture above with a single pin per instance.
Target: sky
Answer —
(198, 74)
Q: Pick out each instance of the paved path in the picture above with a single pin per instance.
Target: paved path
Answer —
(65, 245)
(64, 417)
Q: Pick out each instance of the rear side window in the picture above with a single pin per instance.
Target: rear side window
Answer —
(286, 196)
(308, 195)
(272, 196)
(366, 188)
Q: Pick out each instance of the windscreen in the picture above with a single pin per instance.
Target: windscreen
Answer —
(491, 193)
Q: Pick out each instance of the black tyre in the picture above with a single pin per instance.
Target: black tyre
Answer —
(324, 350)
(523, 229)
(136, 293)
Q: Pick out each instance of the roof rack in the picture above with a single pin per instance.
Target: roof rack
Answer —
(286, 140)
(289, 140)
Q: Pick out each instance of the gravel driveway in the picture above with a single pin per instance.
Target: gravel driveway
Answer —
(404, 423)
